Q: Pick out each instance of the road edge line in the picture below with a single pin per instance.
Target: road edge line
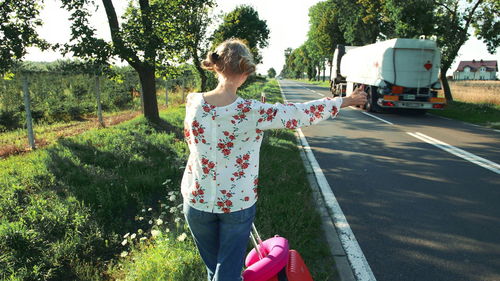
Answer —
(349, 259)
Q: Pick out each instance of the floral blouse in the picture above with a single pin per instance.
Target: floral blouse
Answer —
(221, 174)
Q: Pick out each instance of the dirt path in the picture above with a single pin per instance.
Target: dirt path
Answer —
(67, 131)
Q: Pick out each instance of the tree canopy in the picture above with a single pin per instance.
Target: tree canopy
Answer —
(244, 23)
(271, 72)
(20, 18)
(363, 22)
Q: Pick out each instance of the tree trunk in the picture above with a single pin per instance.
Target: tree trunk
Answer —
(324, 71)
(331, 67)
(148, 84)
(446, 86)
(201, 71)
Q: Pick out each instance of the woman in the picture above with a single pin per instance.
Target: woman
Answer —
(224, 133)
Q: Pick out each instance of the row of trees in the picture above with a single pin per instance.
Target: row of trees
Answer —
(153, 38)
(362, 22)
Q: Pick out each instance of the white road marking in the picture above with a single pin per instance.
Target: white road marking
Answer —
(309, 89)
(357, 259)
(376, 117)
(485, 163)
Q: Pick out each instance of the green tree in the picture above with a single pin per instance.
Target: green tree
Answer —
(271, 73)
(20, 19)
(244, 23)
(455, 20)
(286, 71)
(324, 32)
(358, 20)
(152, 39)
(198, 19)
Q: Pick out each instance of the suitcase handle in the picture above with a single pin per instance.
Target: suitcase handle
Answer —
(257, 242)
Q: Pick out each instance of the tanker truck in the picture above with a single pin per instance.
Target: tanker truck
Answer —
(397, 73)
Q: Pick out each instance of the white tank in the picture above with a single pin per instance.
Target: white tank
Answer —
(412, 63)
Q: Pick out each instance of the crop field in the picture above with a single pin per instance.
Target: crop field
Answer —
(476, 91)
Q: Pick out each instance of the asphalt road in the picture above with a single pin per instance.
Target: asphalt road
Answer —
(418, 212)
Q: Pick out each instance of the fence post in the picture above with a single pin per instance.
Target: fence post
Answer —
(183, 88)
(166, 92)
(29, 121)
(98, 96)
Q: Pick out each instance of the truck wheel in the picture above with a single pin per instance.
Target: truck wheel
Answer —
(371, 103)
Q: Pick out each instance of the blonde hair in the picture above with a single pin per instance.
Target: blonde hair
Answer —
(231, 57)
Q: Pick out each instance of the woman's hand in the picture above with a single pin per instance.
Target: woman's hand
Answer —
(358, 97)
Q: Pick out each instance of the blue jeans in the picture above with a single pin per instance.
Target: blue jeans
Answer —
(222, 240)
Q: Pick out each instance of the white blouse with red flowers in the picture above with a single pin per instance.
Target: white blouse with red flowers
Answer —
(221, 173)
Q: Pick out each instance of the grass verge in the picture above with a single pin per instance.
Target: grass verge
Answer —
(481, 114)
(104, 205)
(320, 83)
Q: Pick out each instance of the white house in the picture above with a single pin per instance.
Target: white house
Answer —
(476, 70)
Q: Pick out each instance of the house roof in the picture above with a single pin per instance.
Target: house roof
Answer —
(491, 65)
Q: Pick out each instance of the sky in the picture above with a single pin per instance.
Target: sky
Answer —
(287, 20)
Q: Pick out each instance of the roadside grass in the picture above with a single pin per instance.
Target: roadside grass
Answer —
(487, 115)
(320, 83)
(105, 205)
(64, 208)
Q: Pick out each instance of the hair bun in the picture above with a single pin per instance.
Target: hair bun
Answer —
(214, 56)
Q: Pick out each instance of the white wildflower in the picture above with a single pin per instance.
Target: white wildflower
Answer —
(139, 231)
(173, 209)
(141, 218)
(150, 209)
(170, 193)
(167, 230)
(155, 232)
(124, 242)
(124, 254)
(172, 198)
(142, 239)
(150, 222)
(159, 221)
(177, 219)
(133, 236)
(143, 210)
(126, 235)
(182, 237)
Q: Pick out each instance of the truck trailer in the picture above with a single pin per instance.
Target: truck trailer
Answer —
(397, 73)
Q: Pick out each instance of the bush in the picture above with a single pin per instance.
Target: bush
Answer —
(9, 120)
